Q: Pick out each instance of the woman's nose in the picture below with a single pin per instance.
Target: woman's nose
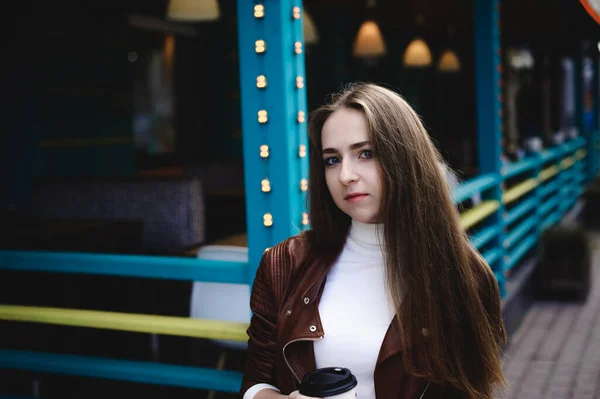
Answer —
(347, 173)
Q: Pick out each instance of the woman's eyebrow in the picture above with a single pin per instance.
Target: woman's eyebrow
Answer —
(354, 146)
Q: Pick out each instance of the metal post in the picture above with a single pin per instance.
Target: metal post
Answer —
(274, 114)
(596, 112)
(489, 109)
(579, 114)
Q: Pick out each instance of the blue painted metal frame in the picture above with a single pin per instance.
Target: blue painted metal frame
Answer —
(579, 113)
(520, 250)
(301, 128)
(477, 184)
(488, 79)
(484, 236)
(552, 154)
(551, 219)
(253, 136)
(519, 167)
(123, 370)
(493, 255)
(283, 132)
(552, 186)
(549, 205)
(519, 231)
(595, 134)
(162, 267)
(520, 210)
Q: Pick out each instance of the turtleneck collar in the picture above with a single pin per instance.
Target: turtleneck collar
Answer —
(367, 234)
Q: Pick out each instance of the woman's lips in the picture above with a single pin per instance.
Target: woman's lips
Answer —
(355, 197)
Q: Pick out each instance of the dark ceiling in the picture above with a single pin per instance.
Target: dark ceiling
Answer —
(525, 19)
(519, 17)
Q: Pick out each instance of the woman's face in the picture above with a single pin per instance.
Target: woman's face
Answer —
(351, 168)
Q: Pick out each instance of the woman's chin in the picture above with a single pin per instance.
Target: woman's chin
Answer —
(364, 218)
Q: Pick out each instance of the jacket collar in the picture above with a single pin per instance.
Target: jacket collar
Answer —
(315, 275)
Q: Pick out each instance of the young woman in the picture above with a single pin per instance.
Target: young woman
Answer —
(386, 282)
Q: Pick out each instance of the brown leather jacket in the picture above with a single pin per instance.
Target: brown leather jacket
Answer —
(285, 322)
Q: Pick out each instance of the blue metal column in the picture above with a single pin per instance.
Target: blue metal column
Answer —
(273, 100)
(489, 109)
(579, 114)
(596, 110)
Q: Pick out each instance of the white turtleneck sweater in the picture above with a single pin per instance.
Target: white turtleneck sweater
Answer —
(355, 309)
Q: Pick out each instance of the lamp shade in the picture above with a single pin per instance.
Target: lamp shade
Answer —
(310, 30)
(520, 58)
(369, 42)
(417, 54)
(448, 62)
(193, 10)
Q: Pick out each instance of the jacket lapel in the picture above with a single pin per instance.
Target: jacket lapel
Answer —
(392, 342)
(303, 305)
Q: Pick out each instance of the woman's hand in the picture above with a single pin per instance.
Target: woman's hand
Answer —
(272, 394)
(296, 395)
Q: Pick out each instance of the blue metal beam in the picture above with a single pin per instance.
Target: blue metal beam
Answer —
(489, 119)
(519, 167)
(524, 208)
(596, 112)
(161, 267)
(478, 184)
(274, 114)
(519, 231)
(583, 66)
(579, 93)
(123, 370)
(484, 236)
(520, 250)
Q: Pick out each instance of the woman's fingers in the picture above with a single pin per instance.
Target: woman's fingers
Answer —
(296, 395)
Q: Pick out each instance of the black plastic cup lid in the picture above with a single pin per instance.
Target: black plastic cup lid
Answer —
(329, 381)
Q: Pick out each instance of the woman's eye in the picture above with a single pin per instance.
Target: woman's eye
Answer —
(368, 154)
(332, 161)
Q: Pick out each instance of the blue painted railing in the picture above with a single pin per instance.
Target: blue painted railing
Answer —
(162, 267)
(122, 370)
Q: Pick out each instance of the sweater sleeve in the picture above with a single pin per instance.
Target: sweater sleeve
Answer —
(254, 389)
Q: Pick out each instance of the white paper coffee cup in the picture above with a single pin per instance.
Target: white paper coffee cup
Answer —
(351, 394)
(330, 383)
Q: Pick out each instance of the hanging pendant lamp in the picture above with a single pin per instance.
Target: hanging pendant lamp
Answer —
(448, 62)
(311, 35)
(193, 10)
(417, 54)
(369, 41)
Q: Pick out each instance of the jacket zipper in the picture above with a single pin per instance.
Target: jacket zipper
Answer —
(425, 390)
(285, 358)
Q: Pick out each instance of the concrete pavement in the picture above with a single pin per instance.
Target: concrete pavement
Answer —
(555, 352)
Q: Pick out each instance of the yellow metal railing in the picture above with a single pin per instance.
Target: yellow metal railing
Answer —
(549, 172)
(181, 326)
(519, 190)
(476, 214)
(567, 162)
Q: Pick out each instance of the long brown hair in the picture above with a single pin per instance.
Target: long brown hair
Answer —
(446, 296)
